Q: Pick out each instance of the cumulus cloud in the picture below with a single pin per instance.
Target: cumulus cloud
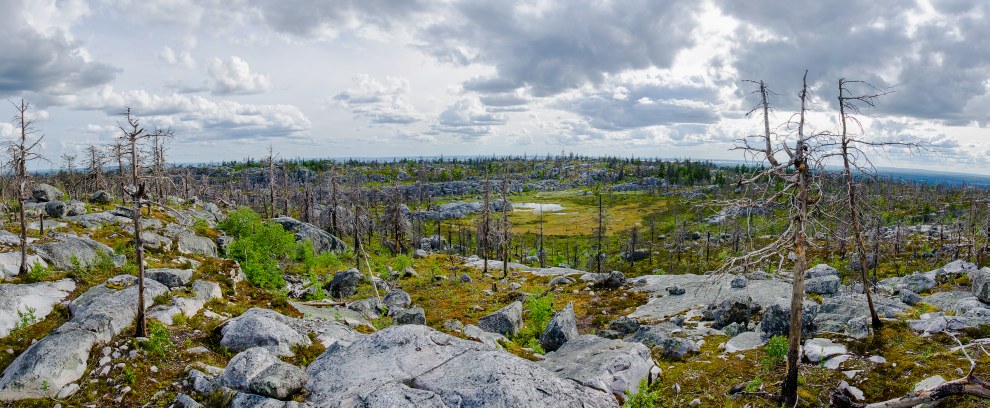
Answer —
(182, 58)
(468, 119)
(233, 76)
(643, 106)
(39, 55)
(327, 19)
(383, 102)
(218, 119)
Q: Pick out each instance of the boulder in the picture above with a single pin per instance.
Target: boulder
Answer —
(262, 328)
(100, 197)
(344, 283)
(413, 365)
(819, 271)
(492, 340)
(412, 315)
(635, 255)
(396, 298)
(777, 318)
(739, 282)
(46, 192)
(981, 285)
(75, 208)
(322, 241)
(258, 371)
(155, 241)
(735, 309)
(560, 281)
(612, 366)
(190, 243)
(917, 283)
(170, 277)
(33, 301)
(909, 297)
(506, 321)
(653, 335)
(612, 280)
(561, 329)
(819, 349)
(823, 285)
(59, 359)
(624, 325)
(369, 307)
(69, 251)
(55, 209)
(419, 254)
(675, 290)
(10, 263)
(203, 291)
(676, 348)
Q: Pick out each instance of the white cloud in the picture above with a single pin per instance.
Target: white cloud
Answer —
(383, 102)
(233, 76)
(183, 58)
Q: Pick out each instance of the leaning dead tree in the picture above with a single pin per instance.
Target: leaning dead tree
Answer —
(131, 135)
(790, 181)
(21, 151)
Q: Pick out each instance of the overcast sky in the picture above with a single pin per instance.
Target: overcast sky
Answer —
(319, 78)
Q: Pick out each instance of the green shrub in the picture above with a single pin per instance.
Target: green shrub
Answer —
(539, 312)
(159, 341)
(37, 273)
(643, 398)
(201, 226)
(776, 350)
(261, 247)
(25, 318)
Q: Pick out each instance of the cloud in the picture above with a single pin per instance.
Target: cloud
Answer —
(206, 118)
(384, 102)
(183, 58)
(468, 119)
(233, 76)
(318, 19)
(551, 47)
(39, 55)
(633, 106)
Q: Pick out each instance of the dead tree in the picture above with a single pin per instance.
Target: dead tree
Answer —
(22, 150)
(94, 161)
(132, 134)
(485, 230)
(600, 228)
(795, 174)
(505, 226)
(271, 182)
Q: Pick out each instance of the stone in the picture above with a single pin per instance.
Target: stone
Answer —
(612, 366)
(100, 197)
(653, 335)
(258, 371)
(10, 263)
(981, 285)
(624, 325)
(412, 365)
(612, 280)
(170, 277)
(419, 254)
(819, 349)
(561, 329)
(777, 318)
(412, 315)
(677, 348)
(917, 283)
(46, 192)
(733, 329)
(824, 285)
(492, 340)
(909, 297)
(369, 307)
(68, 252)
(560, 281)
(453, 325)
(396, 298)
(262, 328)
(192, 244)
(820, 270)
(610, 334)
(739, 282)
(59, 359)
(735, 309)
(675, 290)
(877, 359)
(55, 209)
(506, 321)
(835, 362)
(744, 341)
(344, 283)
(185, 401)
(203, 292)
(465, 278)
(34, 301)
(322, 241)
(928, 383)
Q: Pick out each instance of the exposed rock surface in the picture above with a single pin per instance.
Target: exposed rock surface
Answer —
(46, 192)
(203, 291)
(561, 329)
(506, 321)
(258, 371)
(169, 276)
(262, 328)
(190, 243)
(34, 301)
(59, 359)
(10, 263)
(322, 241)
(344, 283)
(69, 251)
(412, 365)
(613, 366)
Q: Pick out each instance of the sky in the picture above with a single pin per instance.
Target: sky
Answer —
(377, 78)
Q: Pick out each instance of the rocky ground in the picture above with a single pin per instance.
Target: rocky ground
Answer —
(443, 333)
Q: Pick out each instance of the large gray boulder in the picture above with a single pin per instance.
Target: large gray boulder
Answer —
(561, 329)
(258, 371)
(170, 277)
(823, 285)
(100, 197)
(344, 283)
(262, 328)
(55, 209)
(46, 192)
(74, 208)
(612, 366)
(506, 321)
(34, 300)
(412, 315)
(396, 298)
(734, 309)
(190, 243)
(412, 365)
(981, 285)
(777, 318)
(69, 251)
(59, 359)
(917, 283)
(322, 241)
(820, 270)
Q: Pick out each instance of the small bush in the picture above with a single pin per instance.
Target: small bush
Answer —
(25, 318)
(776, 350)
(129, 376)
(643, 398)
(159, 341)
(37, 273)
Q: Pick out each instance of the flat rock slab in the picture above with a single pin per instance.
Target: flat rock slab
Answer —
(34, 300)
(59, 359)
(612, 366)
(496, 265)
(744, 341)
(699, 291)
(819, 349)
(262, 328)
(414, 365)
(557, 271)
(203, 291)
(69, 251)
(10, 263)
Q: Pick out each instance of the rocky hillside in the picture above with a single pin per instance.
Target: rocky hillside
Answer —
(247, 313)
